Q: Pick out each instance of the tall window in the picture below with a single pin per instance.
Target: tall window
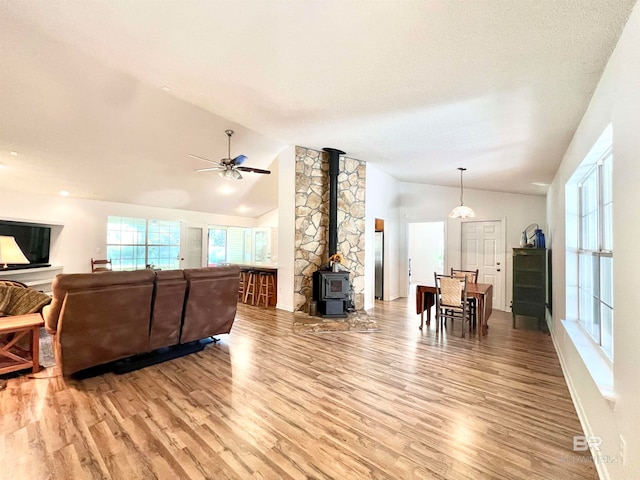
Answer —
(595, 254)
(229, 245)
(135, 243)
(239, 245)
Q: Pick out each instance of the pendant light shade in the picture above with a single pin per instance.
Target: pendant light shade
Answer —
(462, 211)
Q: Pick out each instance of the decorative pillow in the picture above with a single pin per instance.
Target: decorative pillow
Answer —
(5, 298)
(21, 301)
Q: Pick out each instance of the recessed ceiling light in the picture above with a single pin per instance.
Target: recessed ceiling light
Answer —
(165, 88)
(2, 165)
(64, 193)
(226, 190)
(15, 154)
(540, 184)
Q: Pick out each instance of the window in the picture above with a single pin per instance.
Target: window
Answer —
(239, 245)
(595, 253)
(135, 243)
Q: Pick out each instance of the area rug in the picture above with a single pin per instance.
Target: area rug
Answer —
(47, 357)
(355, 322)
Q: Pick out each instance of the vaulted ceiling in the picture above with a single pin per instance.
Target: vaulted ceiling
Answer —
(416, 87)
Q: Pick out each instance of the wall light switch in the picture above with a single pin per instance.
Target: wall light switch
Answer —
(98, 250)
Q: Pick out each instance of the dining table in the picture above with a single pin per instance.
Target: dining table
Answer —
(482, 292)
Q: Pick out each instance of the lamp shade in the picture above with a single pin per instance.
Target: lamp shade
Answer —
(10, 252)
(462, 211)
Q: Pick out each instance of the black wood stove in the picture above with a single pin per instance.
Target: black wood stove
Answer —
(331, 291)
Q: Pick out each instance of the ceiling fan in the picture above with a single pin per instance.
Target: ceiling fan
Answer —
(229, 167)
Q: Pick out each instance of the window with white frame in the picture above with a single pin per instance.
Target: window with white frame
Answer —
(595, 253)
(238, 245)
(137, 243)
(229, 245)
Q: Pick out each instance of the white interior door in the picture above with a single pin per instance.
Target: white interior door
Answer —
(192, 253)
(483, 249)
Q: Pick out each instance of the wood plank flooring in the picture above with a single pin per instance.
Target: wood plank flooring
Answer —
(266, 403)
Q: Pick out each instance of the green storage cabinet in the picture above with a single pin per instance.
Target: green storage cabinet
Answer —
(530, 284)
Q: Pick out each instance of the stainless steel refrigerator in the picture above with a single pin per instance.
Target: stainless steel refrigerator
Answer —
(379, 244)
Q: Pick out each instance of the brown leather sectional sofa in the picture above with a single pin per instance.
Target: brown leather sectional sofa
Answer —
(97, 318)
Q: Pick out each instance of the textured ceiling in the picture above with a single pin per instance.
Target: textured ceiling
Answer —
(416, 87)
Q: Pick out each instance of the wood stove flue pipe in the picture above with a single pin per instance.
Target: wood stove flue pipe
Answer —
(334, 167)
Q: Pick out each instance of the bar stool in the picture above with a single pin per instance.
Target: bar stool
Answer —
(244, 278)
(267, 288)
(250, 287)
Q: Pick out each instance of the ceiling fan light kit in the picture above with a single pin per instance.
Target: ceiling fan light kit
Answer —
(229, 168)
(462, 211)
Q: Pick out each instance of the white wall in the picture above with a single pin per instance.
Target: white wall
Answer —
(382, 200)
(426, 246)
(616, 101)
(429, 203)
(80, 226)
(286, 227)
(269, 219)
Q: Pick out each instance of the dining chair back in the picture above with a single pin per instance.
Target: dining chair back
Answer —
(451, 301)
(100, 265)
(472, 277)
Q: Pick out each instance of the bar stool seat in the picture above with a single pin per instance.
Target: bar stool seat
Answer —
(250, 287)
(267, 288)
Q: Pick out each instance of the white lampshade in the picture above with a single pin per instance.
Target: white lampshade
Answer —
(462, 211)
(10, 252)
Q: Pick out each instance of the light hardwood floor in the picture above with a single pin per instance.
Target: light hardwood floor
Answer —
(266, 403)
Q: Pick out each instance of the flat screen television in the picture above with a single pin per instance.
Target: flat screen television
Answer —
(33, 239)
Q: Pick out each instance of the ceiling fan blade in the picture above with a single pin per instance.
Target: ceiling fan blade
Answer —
(239, 159)
(201, 158)
(209, 169)
(254, 170)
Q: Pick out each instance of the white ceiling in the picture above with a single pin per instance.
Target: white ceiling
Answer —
(418, 88)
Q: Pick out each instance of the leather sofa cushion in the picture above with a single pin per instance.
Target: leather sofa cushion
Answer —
(103, 324)
(168, 302)
(211, 303)
(65, 282)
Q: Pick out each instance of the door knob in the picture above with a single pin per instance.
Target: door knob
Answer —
(498, 269)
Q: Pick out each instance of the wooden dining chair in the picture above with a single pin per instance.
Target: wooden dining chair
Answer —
(451, 301)
(100, 265)
(472, 277)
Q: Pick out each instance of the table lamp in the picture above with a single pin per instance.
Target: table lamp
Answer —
(10, 252)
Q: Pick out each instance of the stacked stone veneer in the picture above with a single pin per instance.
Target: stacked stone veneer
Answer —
(312, 222)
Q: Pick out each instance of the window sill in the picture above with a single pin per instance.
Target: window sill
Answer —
(597, 364)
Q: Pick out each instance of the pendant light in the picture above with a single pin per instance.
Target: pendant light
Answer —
(462, 211)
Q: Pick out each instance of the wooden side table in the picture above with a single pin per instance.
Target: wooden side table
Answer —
(13, 357)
